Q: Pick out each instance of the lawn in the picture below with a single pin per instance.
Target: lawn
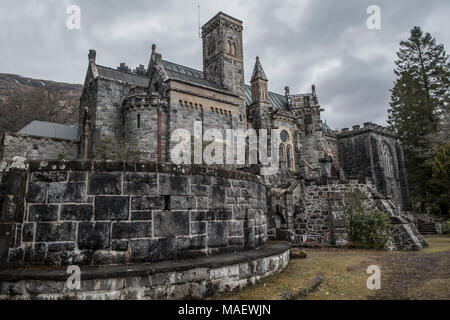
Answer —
(404, 275)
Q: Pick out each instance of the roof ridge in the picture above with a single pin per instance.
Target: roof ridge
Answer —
(132, 73)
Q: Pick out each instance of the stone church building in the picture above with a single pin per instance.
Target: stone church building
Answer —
(318, 165)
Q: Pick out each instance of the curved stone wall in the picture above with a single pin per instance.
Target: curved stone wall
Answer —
(102, 213)
(184, 279)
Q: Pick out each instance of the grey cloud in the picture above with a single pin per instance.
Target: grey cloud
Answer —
(299, 42)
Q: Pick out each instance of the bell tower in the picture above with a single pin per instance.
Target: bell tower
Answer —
(223, 58)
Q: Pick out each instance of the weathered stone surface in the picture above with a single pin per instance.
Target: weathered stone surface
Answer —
(191, 243)
(141, 215)
(147, 203)
(43, 212)
(128, 230)
(198, 228)
(135, 183)
(217, 234)
(153, 250)
(111, 208)
(173, 185)
(66, 192)
(119, 245)
(171, 223)
(77, 176)
(64, 231)
(93, 235)
(49, 176)
(182, 203)
(37, 192)
(75, 212)
(28, 232)
(104, 183)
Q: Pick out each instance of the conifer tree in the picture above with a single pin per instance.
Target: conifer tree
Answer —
(420, 106)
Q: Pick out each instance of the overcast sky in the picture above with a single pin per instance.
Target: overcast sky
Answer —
(299, 42)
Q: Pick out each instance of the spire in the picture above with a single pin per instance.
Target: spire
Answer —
(258, 72)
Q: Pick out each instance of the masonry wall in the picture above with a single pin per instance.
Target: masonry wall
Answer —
(18, 146)
(114, 213)
(360, 157)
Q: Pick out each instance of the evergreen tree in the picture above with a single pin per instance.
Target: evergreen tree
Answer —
(420, 106)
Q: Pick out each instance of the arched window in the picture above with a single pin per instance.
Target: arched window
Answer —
(138, 120)
(289, 156)
(387, 160)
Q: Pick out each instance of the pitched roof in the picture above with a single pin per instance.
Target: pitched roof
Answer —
(183, 73)
(51, 130)
(258, 72)
(119, 75)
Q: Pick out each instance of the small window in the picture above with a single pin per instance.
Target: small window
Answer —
(138, 121)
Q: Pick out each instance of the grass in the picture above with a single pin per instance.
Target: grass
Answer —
(345, 274)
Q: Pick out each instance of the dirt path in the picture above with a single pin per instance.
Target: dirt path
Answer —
(417, 275)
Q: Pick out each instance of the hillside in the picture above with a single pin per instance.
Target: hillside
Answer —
(23, 100)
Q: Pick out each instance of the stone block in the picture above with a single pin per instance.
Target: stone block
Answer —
(119, 245)
(191, 243)
(28, 232)
(217, 197)
(201, 190)
(171, 223)
(104, 183)
(141, 215)
(43, 212)
(173, 185)
(76, 212)
(147, 203)
(152, 250)
(135, 183)
(77, 176)
(111, 208)
(198, 228)
(47, 232)
(217, 234)
(93, 235)
(66, 192)
(37, 192)
(128, 230)
(235, 228)
(182, 203)
(49, 176)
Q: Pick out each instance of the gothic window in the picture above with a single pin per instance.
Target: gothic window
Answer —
(284, 135)
(387, 161)
(289, 156)
(138, 120)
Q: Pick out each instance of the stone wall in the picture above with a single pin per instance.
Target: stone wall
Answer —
(113, 213)
(16, 145)
(189, 279)
(361, 156)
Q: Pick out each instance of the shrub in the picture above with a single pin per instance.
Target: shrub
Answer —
(446, 227)
(372, 229)
(366, 228)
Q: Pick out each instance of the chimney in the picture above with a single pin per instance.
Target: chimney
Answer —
(286, 91)
(92, 55)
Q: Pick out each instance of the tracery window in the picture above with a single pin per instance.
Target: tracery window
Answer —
(387, 160)
(289, 156)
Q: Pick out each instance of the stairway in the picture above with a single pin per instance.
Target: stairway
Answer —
(427, 228)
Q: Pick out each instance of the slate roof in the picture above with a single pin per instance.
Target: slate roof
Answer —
(183, 73)
(51, 130)
(131, 78)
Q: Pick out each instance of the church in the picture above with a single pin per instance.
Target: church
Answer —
(318, 165)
